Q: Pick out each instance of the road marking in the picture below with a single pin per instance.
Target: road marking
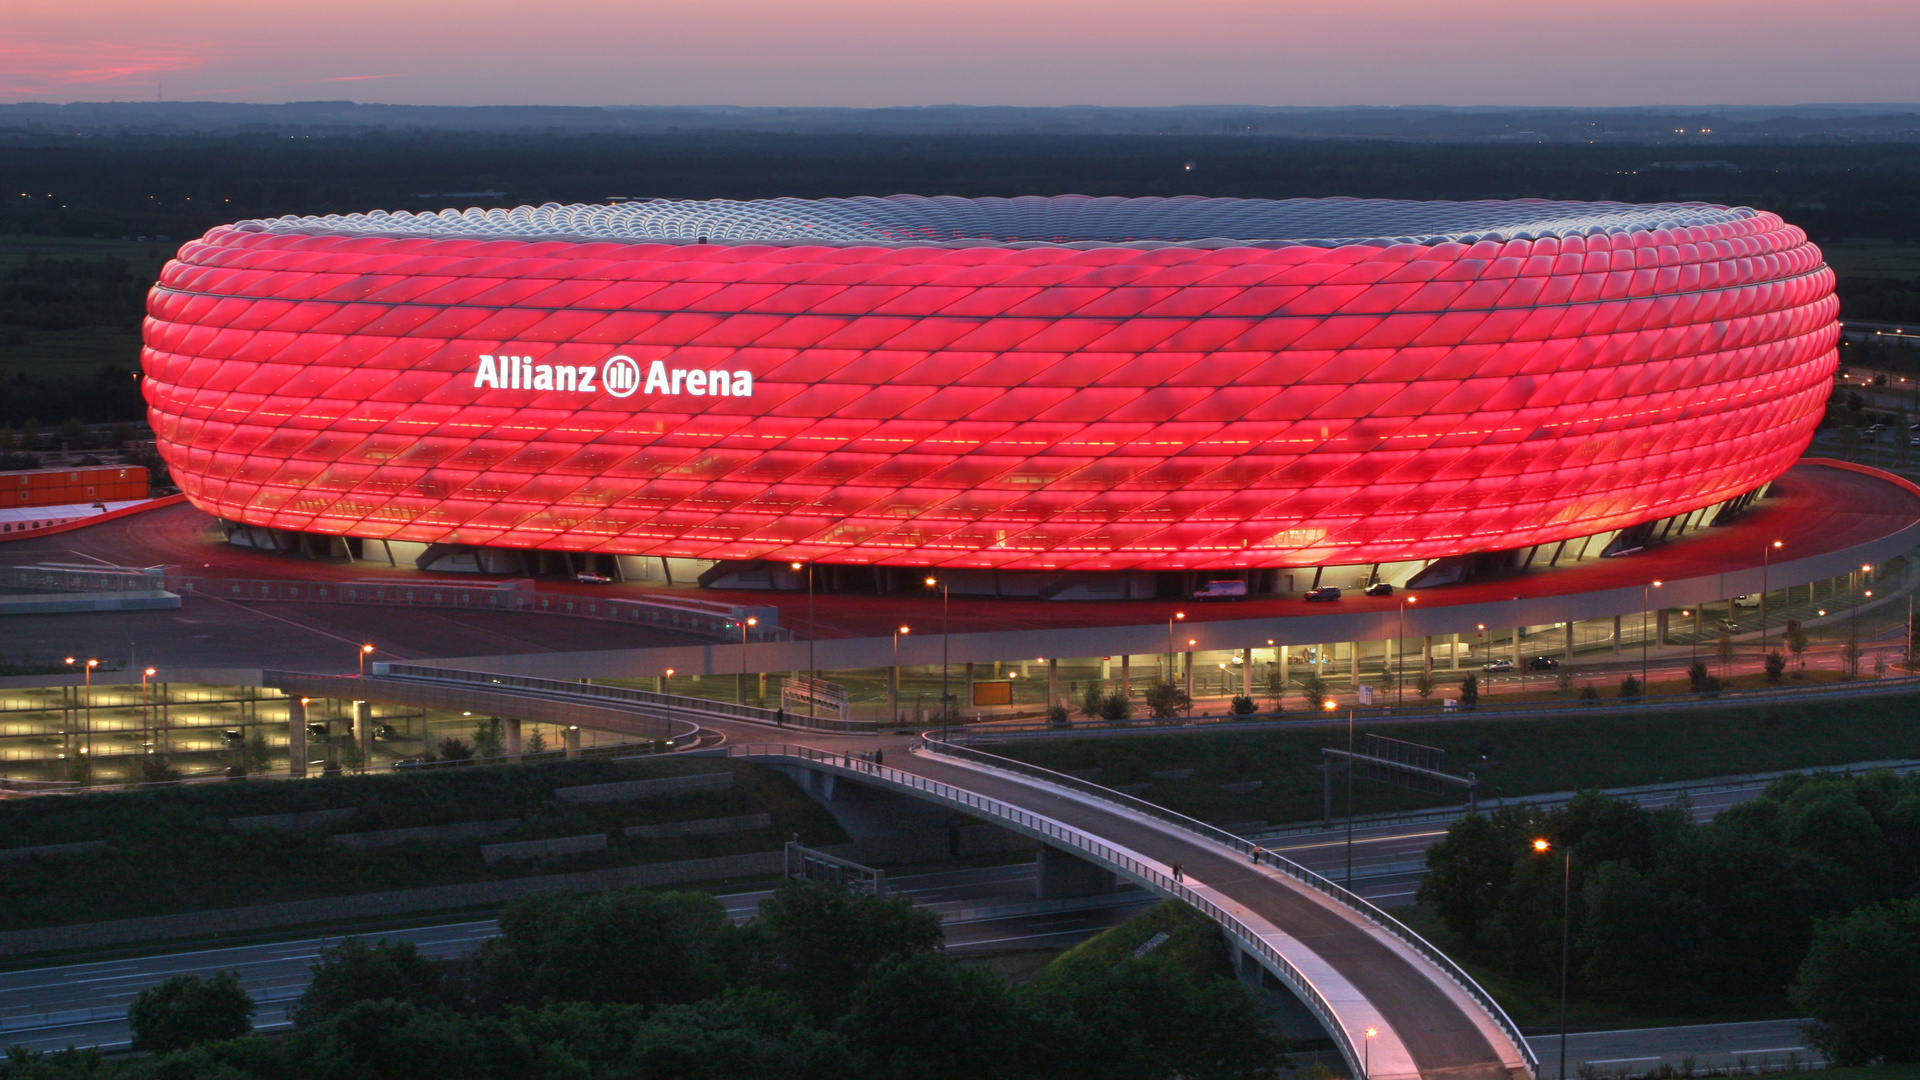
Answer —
(1620, 1061)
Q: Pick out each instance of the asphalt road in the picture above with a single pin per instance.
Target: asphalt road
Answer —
(984, 910)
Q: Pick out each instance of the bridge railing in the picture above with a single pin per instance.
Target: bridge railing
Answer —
(666, 704)
(1347, 897)
(1063, 836)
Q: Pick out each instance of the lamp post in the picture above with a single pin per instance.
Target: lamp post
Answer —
(1170, 621)
(893, 677)
(146, 706)
(1566, 908)
(813, 672)
(946, 629)
(1331, 705)
(666, 683)
(1400, 673)
(1646, 606)
(1366, 1053)
(745, 625)
(1766, 560)
(88, 727)
(1853, 631)
(365, 650)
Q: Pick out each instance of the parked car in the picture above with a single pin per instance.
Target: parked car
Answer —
(1542, 663)
(1498, 665)
(1379, 588)
(1746, 600)
(1728, 626)
(1324, 592)
(586, 578)
(385, 733)
(234, 736)
(1221, 590)
(408, 763)
(318, 731)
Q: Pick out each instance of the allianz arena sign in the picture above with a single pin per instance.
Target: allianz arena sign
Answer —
(1043, 383)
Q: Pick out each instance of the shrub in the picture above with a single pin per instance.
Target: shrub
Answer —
(1243, 706)
(1470, 691)
(1697, 676)
(1116, 707)
(356, 971)
(1857, 983)
(1166, 701)
(1588, 695)
(1630, 688)
(1423, 684)
(452, 749)
(1057, 716)
(187, 1010)
(1093, 699)
(1776, 666)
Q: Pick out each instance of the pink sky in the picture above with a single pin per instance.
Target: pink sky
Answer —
(983, 52)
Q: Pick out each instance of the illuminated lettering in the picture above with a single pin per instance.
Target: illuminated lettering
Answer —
(696, 383)
(618, 377)
(657, 378)
(543, 377)
(488, 375)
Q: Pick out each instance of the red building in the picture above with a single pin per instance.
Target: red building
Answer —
(1046, 383)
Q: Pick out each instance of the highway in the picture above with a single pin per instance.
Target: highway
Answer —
(983, 910)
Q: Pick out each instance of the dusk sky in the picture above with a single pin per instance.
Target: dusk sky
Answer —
(984, 52)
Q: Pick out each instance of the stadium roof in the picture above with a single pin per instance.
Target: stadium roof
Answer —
(1060, 220)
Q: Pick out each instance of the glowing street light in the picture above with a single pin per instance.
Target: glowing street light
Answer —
(813, 669)
(946, 629)
(1566, 894)
(1646, 605)
(365, 651)
(1766, 560)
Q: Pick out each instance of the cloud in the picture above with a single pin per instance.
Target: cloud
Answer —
(34, 70)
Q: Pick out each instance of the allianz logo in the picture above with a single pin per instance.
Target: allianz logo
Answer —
(620, 376)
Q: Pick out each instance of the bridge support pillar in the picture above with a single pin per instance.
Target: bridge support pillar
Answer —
(969, 698)
(1660, 626)
(1247, 967)
(1246, 672)
(1569, 642)
(1126, 676)
(363, 731)
(296, 736)
(573, 742)
(510, 735)
(1616, 635)
(1058, 875)
(1453, 654)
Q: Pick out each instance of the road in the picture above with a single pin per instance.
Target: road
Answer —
(1760, 1044)
(983, 910)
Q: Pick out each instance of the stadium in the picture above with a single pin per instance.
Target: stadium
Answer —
(1061, 384)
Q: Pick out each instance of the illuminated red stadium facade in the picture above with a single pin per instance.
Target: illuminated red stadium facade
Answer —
(1045, 384)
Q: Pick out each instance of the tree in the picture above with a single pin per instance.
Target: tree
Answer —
(1588, 695)
(452, 749)
(1166, 701)
(1116, 707)
(187, 1010)
(1797, 636)
(1630, 688)
(1469, 691)
(387, 970)
(920, 1017)
(1857, 983)
(1093, 699)
(1776, 666)
(1467, 874)
(1723, 651)
(489, 739)
(536, 742)
(1276, 686)
(621, 946)
(259, 754)
(1565, 680)
(1242, 706)
(820, 942)
(1850, 656)
(1058, 716)
(1697, 676)
(1314, 689)
(1423, 684)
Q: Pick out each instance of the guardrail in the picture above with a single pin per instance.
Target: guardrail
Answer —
(698, 617)
(1352, 900)
(78, 579)
(1075, 840)
(663, 705)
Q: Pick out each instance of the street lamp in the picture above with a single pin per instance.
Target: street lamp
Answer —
(1400, 675)
(1646, 605)
(364, 651)
(1331, 705)
(946, 609)
(1766, 560)
(1366, 1053)
(666, 684)
(813, 671)
(146, 700)
(893, 677)
(1566, 907)
(745, 625)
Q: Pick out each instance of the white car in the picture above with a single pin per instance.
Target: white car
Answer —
(1498, 665)
(586, 578)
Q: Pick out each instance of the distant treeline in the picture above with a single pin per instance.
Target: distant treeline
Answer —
(180, 186)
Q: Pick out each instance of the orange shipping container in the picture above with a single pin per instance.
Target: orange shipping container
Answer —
(85, 484)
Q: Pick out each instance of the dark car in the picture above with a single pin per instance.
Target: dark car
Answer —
(234, 737)
(1379, 588)
(1324, 592)
(318, 731)
(1542, 663)
(385, 733)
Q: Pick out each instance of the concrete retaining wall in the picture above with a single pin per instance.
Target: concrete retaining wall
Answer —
(50, 849)
(305, 819)
(703, 827)
(449, 834)
(627, 790)
(542, 850)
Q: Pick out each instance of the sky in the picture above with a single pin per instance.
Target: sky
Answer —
(974, 52)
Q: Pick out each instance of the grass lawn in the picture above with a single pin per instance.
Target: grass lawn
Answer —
(1907, 1071)
(1511, 757)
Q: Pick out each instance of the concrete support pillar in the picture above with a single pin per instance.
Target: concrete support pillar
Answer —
(573, 742)
(1106, 668)
(968, 700)
(1426, 654)
(1616, 635)
(1053, 681)
(1189, 673)
(1453, 656)
(1660, 626)
(1353, 661)
(1246, 672)
(741, 682)
(1569, 643)
(1517, 662)
(893, 694)
(1058, 875)
(510, 732)
(1126, 675)
(1286, 658)
(363, 731)
(296, 736)
(659, 684)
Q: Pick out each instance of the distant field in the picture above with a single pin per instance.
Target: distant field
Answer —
(70, 354)
(1855, 259)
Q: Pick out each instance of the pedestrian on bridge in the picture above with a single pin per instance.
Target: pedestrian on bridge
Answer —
(1179, 872)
